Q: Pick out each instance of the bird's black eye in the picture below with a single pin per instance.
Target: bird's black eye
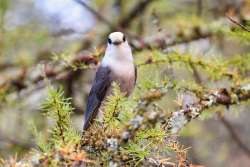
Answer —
(109, 41)
(124, 38)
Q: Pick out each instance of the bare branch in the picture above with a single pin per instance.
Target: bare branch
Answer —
(135, 11)
(96, 14)
(163, 42)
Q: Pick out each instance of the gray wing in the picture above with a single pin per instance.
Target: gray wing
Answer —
(97, 93)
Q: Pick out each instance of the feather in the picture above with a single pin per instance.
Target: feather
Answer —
(97, 93)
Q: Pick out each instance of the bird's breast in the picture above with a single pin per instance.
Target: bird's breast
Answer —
(124, 75)
(126, 83)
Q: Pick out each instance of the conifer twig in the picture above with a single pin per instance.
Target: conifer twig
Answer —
(180, 118)
(59, 124)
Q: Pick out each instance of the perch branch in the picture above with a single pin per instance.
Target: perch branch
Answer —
(180, 118)
(19, 81)
(145, 118)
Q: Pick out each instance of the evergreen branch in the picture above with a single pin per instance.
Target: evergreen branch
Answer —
(60, 125)
(214, 70)
(113, 112)
(180, 118)
(58, 108)
(145, 119)
(18, 81)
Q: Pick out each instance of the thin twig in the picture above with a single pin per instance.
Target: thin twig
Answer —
(135, 11)
(96, 14)
(238, 24)
(196, 74)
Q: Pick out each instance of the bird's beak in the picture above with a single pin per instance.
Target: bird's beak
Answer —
(116, 42)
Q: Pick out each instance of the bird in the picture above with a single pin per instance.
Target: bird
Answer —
(117, 66)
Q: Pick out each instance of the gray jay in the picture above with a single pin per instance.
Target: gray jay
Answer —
(116, 66)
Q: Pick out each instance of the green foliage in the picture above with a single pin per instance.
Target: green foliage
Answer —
(214, 68)
(118, 112)
(155, 134)
(143, 144)
(232, 33)
(241, 35)
(117, 108)
(113, 106)
(191, 86)
(138, 151)
(40, 139)
(58, 108)
(161, 76)
(240, 63)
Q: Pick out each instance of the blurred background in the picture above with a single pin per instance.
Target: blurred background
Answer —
(40, 38)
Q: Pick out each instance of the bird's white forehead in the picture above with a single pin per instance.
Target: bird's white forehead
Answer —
(116, 36)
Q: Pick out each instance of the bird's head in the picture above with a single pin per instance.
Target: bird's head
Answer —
(118, 48)
(117, 39)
